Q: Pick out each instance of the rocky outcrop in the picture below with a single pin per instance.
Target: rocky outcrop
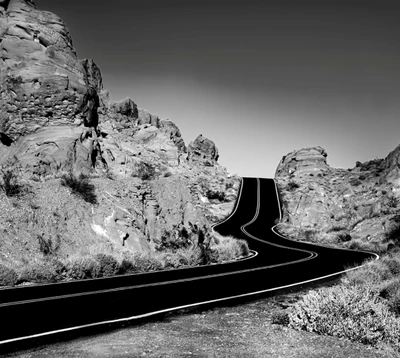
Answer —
(202, 150)
(306, 160)
(48, 97)
(354, 207)
(55, 117)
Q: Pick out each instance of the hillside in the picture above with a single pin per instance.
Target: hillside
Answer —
(82, 175)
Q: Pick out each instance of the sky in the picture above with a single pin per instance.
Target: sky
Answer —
(259, 78)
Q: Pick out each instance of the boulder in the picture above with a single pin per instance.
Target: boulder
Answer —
(202, 150)
(305, 160)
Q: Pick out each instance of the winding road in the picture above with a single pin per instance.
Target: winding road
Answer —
(34, 311)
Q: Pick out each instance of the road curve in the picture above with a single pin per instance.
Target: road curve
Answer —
(35, 311)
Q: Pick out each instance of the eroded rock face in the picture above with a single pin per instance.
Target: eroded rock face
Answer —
(306, 160)
(48, 97)
(353, 207)
(56, 117)
(202, 150)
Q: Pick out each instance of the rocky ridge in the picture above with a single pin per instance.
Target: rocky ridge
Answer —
(56, 118)
(356, 208)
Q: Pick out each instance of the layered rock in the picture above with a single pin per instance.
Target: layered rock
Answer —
(357, 206)
(302, 161)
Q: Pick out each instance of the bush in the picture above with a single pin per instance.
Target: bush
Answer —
(80, 186)
(215, 195)
(9, 183)
(83, 268)
(390, 291)
(144, 263)
(145, 171)
(45, 271)
(280, 317)
(8, 276)
(108, 265)
(229, 249)
(356, 313)
(126, 267)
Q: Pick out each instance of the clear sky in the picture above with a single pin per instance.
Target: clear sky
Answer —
(259, 78)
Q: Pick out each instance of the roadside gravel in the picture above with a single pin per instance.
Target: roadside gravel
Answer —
(243, 329)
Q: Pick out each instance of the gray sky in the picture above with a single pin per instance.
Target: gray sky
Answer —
(260, 78)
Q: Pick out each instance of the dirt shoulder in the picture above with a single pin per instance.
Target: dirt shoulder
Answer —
(240, 330)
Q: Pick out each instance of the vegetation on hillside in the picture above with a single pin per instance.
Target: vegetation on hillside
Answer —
(95, 262)
(80, 185)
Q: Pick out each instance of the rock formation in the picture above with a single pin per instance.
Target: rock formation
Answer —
(306, 160)
(203, 150)
(358, 206)
(56, 118)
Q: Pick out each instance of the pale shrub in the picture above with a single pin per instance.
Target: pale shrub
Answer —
(8, 276)
(228, 248)
(356, 313)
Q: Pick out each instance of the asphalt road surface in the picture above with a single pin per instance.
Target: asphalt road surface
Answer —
(35, 311)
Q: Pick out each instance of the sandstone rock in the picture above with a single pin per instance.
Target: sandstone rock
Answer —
(391, 165)
(327, 205)
(306, 160)
(48, 97)
(56, 117)
(202, 150)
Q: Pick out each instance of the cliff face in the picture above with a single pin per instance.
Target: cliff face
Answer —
(56, 118)
(356, 207)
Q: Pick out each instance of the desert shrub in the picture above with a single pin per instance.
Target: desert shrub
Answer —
(108, 265)
(215, 195)
(143, 263)
(343, 236)
(280, 317)
(43, 271)
(14, 81)
(144, 171)
(394, 234)
(173, 260)
(393, 265)
(243, 247)
(229, 185)
(189, 257)
(309, 235)
(393, 202)
(390, 291)
(356, 313)
(126, 267)
(292, 185)
(9, 182)
(8, 276)
(227, 248)
(80, 186)
(371, 274)
(83, 268)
